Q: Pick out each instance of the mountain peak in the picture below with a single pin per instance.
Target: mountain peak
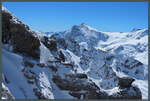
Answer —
(83, 25)
(135, 29)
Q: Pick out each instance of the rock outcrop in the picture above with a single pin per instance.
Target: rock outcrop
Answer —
(127, 90)
(17, 34)
(79, 86)
(6, 94)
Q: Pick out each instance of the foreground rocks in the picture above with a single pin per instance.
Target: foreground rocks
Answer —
(79, 86)
(127, 90)
(6, 94)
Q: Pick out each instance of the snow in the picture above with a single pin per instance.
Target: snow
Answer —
(123, 44)
(95, 46)
(5, 97)
(76, 60)
(111, 91)
(45, 86)
(5, 9)
(143, 86)
(45, 54)
(12, 67)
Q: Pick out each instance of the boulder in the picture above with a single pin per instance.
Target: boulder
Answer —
(125, 82)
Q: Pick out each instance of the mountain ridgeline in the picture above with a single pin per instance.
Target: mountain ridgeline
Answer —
(80, 63)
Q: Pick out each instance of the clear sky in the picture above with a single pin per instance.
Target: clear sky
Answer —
(60, 16)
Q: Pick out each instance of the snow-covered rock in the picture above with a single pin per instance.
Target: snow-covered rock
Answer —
(80, 63)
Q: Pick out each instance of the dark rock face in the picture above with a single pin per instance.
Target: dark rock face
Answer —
(20, 36)
(79, 85)
(126, 90)
(6, 80)
(53, 68)
(49, 43)
(5, 22)
(60, 41)
(127, 93)
(125, 81)
(42, 65)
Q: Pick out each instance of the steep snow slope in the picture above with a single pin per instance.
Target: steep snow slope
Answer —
(12, 67)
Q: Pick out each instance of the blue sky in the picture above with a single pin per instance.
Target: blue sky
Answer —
(60, 16)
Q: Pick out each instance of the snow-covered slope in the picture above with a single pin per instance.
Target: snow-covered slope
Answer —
(133, 44)
(80, 63)
(12, 67)
(122, 53)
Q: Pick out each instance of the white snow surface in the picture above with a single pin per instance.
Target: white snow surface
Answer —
(12, 67)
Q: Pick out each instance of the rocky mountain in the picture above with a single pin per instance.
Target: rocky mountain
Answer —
(80, 63)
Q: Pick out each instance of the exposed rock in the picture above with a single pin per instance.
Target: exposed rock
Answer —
(6, 80)
(41, 65)
(61, 56)
(28, 74)
(60, 41)
(53, 68)
(31, 81)
(50, 43)
(38, 93)
(20, 36)
(125, 81)
(76, 94)
(27, 63)
(75, 84)
(6, 94)
(127, 93)
(78, 75)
